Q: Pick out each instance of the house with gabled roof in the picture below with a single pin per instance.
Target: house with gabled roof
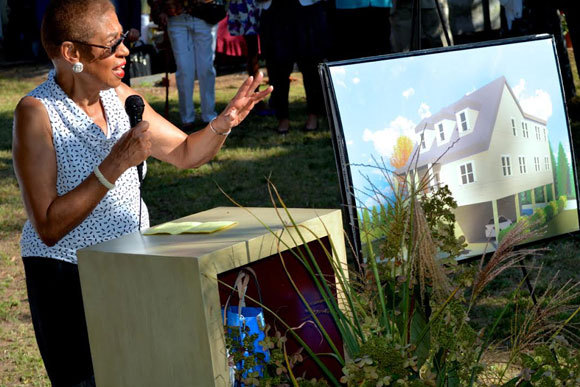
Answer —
(487, 150)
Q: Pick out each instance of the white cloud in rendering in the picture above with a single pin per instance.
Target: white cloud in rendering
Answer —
(384, 140)
(372, 201)
(538, 104)
(409, 92)
(519, 88)
(338, 71)
(338, 75)
(424, 110)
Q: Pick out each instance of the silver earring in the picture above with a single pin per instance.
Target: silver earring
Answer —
(78, 67)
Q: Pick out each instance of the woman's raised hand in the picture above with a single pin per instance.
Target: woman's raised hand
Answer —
(242, 103)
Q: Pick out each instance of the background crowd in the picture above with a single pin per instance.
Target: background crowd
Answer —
(288, 33)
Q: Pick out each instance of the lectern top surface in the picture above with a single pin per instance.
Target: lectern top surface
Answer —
(248, 231)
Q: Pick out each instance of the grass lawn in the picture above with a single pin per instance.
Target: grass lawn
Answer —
(300, 164)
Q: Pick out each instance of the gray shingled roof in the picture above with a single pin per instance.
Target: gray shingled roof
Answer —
(486, 101)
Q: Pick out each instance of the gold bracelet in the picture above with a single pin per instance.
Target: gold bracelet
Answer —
(102, 179)
(216, 132)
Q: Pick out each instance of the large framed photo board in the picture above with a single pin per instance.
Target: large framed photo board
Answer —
(486, 120)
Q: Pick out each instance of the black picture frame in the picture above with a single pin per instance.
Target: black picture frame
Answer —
(343, 112)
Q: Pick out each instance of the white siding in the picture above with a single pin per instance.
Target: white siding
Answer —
(491, 184)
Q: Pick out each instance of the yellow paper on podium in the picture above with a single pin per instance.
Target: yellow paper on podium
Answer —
(175, 228)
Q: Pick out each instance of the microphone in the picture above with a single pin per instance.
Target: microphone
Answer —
(134, 107)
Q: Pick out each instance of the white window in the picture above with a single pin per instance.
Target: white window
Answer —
(537, 133)
(537, 164)
(467, 173)
(522, 162)
(525, 133)
(423, 145)
(544, 129)
(514, 129)
(547, 163)
(441, 132)
(463, 122)
(506, 165)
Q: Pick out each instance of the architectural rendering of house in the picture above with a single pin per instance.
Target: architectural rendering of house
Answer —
(487, 150)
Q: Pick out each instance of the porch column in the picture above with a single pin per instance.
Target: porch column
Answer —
(495, 218)
(545, 194)
(518, 212)
(430, 186)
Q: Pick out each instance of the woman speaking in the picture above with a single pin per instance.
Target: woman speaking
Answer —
(75, 156)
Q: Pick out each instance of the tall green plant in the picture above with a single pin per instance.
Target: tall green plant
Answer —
(563, 173)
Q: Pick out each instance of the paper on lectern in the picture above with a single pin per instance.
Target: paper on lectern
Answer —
(175, 228)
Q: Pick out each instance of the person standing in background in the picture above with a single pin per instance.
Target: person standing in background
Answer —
(129, 14)
(193, 42)
(432, 29)
(361, 29)
(244, 20)
(294, 31)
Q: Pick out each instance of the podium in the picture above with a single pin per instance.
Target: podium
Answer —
(153, 303)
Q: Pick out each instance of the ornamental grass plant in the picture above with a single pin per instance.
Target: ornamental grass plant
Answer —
(404, 313)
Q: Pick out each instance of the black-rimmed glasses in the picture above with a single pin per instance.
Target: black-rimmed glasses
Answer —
(109, 50)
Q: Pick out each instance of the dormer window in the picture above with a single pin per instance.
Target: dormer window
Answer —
(441, 132)
(423, 145)
(463, 122)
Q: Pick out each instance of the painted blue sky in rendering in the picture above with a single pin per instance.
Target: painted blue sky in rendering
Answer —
(381, 100)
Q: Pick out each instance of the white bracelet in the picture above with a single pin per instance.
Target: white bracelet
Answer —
(102, 179)
(216, 132)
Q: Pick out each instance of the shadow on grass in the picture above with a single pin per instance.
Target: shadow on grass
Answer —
(6, 119)
(26, 72)
(6, 168)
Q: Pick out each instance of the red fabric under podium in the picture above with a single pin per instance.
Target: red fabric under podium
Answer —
(279, 296)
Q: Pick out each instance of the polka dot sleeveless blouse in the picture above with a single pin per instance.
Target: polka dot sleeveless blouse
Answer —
(80, 144)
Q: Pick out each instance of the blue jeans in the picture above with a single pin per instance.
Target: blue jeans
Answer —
(193, 42)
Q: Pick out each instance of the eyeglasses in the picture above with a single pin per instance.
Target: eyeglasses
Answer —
(109, 50)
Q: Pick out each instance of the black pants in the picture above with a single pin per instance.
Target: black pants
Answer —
(56, 307)
(360, 32)
(291, 33)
